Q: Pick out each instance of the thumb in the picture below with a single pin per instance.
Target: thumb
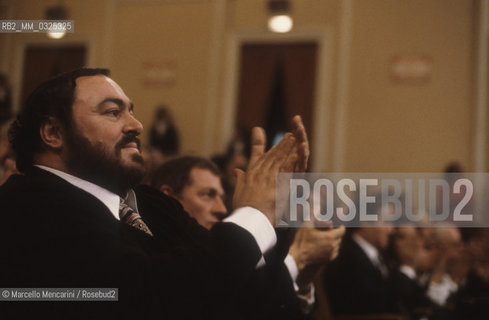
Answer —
(238, 173)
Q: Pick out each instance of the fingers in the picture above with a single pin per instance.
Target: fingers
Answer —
(276, 157)
(289, 155)
(327, 224)
(291, 161)
(335, 253)
(299, 129)
(303, 143)
(339, 232)
(240, 175)
(303, 157)
(258, 144)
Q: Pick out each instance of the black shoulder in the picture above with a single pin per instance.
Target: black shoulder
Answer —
(156, 196)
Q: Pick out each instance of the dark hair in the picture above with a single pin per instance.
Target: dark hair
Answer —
(52, 98)
(176, 172)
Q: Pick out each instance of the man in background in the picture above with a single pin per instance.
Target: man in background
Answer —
(357, 281)
(195, 182)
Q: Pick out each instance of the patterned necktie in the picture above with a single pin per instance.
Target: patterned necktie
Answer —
(132, 218)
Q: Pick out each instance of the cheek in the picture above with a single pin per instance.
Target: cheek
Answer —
(194, 206)
(203, 209)
(102, 134)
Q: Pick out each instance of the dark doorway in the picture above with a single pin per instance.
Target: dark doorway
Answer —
(276, 82)
(43, 62)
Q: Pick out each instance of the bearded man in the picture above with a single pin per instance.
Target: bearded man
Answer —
(77, 219)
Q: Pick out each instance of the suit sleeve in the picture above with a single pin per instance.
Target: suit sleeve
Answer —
(217, 269)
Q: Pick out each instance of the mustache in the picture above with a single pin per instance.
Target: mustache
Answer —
(128, 138)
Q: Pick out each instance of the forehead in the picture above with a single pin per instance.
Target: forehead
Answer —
(94, 89)
(204, 178)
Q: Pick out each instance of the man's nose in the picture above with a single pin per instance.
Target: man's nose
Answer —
(133, 124)
(219, 209)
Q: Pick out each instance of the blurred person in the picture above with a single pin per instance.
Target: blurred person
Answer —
(445, 277)
(454, 171)
(234, 158)
(412, 260)
(472, 297)
(163, 134)
(153, 158)
(82, 221)
(357, 281)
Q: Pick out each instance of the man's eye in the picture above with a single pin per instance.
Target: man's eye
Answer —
(209, 194)
(114, 113)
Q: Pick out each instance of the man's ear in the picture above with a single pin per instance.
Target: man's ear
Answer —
(166, 189)
(51, 135)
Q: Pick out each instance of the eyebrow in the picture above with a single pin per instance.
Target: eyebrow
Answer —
(117, 101)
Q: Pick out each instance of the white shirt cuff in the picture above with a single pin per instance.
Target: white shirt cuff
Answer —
(293, 270)
(257, 224)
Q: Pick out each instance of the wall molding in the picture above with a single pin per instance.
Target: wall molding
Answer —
(480, 138)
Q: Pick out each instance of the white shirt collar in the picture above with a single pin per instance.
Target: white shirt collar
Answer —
(371, 251)
(408, 271)
(108, 198)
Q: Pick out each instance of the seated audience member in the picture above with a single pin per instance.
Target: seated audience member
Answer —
(80, 220)
(412, 259)
(195, 183)
(357, 281)
(472, 298)
(234, 158)
(446, 275)
(163, 134)
(153, 158)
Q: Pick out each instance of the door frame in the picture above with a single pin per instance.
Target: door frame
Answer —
(322, 101)
(18, 63)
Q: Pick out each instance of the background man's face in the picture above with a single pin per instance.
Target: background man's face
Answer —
(103, 143)
(378, 237)
(202, 198)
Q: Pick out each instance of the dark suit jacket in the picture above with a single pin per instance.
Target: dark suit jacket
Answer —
(471, 301)
(412, 297)
(354, 285)
(56, 235)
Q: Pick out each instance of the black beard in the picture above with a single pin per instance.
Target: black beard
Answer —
(99, 166)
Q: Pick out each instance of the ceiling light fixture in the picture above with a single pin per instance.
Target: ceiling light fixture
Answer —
(280, 20)
(57, 12)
